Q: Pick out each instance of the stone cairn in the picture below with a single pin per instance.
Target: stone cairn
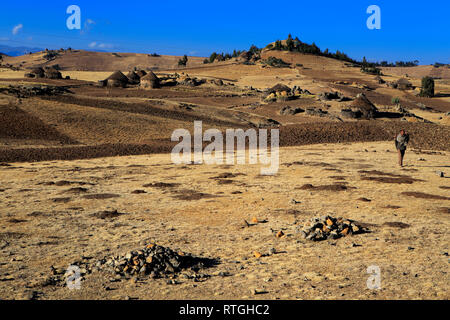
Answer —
(153, 260)
(327, 227)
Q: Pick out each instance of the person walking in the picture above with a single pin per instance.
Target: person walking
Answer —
(401, 142)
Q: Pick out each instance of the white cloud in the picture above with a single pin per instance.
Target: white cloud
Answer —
(97, 45)
(105, 46)
(17, 28)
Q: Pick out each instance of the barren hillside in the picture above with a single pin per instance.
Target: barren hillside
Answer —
(81, 60)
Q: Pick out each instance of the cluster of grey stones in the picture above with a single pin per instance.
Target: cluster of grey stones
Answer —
(153, 260)
(327, 227)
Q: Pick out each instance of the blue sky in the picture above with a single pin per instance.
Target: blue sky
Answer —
(410, 30)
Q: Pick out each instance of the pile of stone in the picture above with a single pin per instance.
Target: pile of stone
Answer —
(288, 110)
(327, 96)
(327, 227)
(186, 80)
(153, 260)
(296, 90)
(316, 112)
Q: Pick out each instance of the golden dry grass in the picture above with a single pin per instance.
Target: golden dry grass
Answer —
(412, 260)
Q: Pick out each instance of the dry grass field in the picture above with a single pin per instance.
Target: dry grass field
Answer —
(49, 220)
(86, 173)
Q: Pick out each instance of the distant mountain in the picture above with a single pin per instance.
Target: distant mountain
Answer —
(17, 51)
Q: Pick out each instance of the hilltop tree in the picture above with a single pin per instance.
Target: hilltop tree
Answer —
(220, 57)
(427, 89)
(253, 49)
(278, 45)
(212, 57)
(364, 62)
(183, 61)
(290, 43)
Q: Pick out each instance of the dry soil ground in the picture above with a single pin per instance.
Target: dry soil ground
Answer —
(64, 159)
(48, 219)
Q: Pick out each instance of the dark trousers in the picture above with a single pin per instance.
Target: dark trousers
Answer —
(401, 155)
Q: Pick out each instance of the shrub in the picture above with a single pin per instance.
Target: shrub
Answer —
(290, 43)
(254, 49)
(51, 55)
(183, 61)
(371, 70)
(427, 87)
(278, 45)
(275, 62)
(212, 57)
(395, 100)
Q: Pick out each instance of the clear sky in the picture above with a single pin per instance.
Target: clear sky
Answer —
(410, 29)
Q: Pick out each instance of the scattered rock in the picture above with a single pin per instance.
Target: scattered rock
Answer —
(279, 234)
(257, 254)
(288, 110)
(259, 291)
(316, 112)
(326, 96)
